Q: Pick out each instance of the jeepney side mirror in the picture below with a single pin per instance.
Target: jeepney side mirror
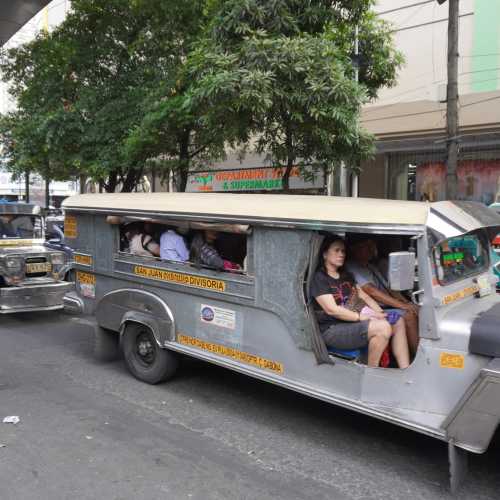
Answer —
(401, 271)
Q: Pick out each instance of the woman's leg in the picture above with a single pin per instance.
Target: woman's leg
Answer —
(379, 333)
(399, 344)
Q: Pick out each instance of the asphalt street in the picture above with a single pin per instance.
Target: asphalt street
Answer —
(91, 431)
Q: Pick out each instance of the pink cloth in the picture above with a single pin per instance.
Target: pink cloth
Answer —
(231, 266)
(367, 311)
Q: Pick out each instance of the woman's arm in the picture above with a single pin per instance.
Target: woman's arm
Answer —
(328, 304)
(153, 248)
(372, 304)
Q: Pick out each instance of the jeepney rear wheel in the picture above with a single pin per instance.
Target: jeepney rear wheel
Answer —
(145, 359)
(106, 345)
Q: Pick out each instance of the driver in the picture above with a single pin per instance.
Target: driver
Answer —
(7, 230)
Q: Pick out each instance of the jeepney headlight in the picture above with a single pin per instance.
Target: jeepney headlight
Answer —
(57, 259)
(13, 263)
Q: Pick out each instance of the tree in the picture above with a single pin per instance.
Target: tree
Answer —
(284, 68)
(175, 132)
(25, 134)
(84, 86)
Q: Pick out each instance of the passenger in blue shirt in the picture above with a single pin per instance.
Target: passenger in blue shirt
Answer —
(173, 247)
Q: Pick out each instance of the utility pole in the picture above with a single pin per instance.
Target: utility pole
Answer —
(47, 193)
(27, 186)
(452, 101)
(355, 177)
(343, 177)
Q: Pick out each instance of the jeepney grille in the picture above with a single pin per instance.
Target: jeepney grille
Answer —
(35, 260)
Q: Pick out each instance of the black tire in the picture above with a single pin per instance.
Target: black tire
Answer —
(106, 344)
(145, 359)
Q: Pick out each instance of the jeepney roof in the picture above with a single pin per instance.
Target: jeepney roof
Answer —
(300, 210)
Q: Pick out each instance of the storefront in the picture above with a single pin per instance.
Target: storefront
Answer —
(411, 150)
(255, 179)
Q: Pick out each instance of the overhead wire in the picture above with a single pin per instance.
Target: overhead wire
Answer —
(436, 21)
(405, 7)
(418, 113)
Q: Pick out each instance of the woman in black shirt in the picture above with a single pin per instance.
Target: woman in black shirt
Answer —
(339, 303)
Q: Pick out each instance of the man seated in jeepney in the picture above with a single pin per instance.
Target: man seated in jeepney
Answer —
(362, 254)
(349, 318)
(7, 230)
(23, 225)
(173, 245)
(203, 252)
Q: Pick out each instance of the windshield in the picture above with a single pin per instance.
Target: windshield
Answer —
(20, 226)
(460, 257)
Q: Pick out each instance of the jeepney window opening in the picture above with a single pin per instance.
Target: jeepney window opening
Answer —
(20, 226)
(231, 242)
(385, 243)
(461, 257)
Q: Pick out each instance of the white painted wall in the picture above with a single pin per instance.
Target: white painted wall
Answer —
(425, 49)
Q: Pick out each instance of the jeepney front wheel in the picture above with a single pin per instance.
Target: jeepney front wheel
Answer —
(145, 359)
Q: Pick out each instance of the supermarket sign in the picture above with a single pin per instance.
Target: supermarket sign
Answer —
(250, 179)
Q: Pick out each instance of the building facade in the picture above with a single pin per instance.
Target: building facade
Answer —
(409, 120)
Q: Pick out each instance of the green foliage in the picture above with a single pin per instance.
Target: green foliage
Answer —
(124, 84)
(283, 69)
(174, 132)
(87, 86)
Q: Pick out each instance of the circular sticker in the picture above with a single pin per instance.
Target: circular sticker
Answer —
(207, 314)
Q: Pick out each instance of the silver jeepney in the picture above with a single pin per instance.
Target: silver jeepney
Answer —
(30, 274)
(260, 322)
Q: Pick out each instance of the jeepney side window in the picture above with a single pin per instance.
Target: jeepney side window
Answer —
(232, 247)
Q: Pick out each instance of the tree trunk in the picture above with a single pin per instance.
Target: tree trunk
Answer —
(47, 193)
(184, 160)
(289, 163)
(110, 186)
(131, 180)
(83, 180)
(286, 176)
(27, 186)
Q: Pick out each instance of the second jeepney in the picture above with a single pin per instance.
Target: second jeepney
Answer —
(31, 275)
(259, 320)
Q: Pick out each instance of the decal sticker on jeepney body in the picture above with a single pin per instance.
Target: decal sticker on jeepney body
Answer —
(70, 227)
(83, 259)
(450, 360)
(217, 316)
(86, 282)
(180, 278)
(235, 354)
(461, 294)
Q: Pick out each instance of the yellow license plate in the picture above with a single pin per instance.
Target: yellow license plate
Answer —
(38, 267)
